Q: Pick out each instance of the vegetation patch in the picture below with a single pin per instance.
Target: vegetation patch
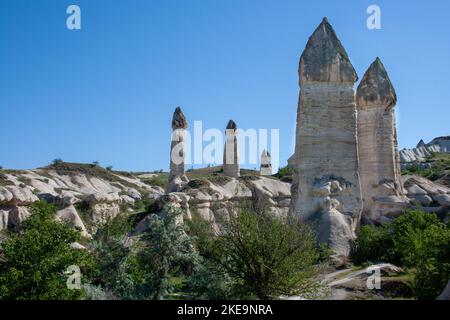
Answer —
(417, 241)
(436, 168)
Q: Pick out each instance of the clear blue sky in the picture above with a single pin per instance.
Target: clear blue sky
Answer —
(107, 92)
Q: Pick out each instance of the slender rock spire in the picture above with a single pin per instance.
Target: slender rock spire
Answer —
(231, 156)
(379, 164)
(177, 177)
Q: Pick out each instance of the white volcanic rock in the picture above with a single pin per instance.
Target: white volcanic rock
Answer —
(326, 138)
(101, 197)
(18, 214)
(15, 195)
(70, 216)
(127, 199)
(379, 165)
(133, 193)
(422, 150)
(4, 218)
(425, 191)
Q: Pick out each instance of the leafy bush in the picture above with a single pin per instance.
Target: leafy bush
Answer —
(260, 255)
(117, 272)
(34, 260)
(285, 172)
(167, 254)
(416, 240)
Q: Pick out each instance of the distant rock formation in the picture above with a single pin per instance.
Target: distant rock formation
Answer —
(326, 184)
(379, 165)
(231, 166)
(266, 164)
(423, 150)
(177, 177)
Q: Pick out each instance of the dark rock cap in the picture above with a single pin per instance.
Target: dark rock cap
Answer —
(231, 125)
(376, 88)
(179, 120)
(325, 59)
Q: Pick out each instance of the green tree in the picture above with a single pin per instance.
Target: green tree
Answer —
(33, 261)
(117, 272)
(167, 254)
(416, 240)
(266, 256)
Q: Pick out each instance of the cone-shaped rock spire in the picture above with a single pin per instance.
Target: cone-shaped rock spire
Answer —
(325, 59)
(179, 120)
(376, 88)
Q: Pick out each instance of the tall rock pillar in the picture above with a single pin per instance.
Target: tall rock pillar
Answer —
(177, 177)
(326, 186)
(230, 154)
(379, 165)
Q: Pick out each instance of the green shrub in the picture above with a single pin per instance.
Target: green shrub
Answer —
(34, 260)
(417, 241)
(285, 172)
(264, 256)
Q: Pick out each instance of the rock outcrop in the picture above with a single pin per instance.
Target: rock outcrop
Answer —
(14, 200)
(215, 198)
(379, 165)
(177, 177)
(231, 166)
(432, 197)
(326, 184)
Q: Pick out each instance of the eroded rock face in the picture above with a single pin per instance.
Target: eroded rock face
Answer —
(102, 207)
(13, 205)
(70, 216)
(379, 164)
(326, 143)
(177, 177)
(432, 196)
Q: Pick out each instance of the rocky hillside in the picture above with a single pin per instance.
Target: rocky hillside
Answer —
(424, 150)
(87, 194)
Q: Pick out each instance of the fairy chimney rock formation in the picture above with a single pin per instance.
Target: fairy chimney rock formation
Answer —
(326, 186)
(379, 164)
(266, 164)
(231, 155)
(177, 177)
